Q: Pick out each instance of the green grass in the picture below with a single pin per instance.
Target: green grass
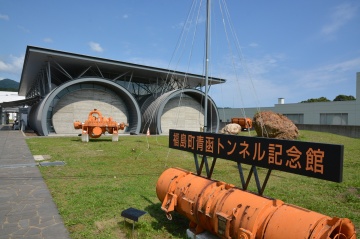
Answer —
(101, 178)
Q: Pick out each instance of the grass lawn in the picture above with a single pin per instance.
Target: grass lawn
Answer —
(101, 178)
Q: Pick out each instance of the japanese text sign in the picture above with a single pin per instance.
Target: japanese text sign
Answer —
(318, 160)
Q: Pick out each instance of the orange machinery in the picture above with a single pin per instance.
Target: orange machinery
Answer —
(96, 125)
(230, 212)
(245, 123)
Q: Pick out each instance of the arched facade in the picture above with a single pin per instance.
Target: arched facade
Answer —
(63, 87)
(74, 99)
(178, 109)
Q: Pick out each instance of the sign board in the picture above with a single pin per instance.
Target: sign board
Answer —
(317, 160)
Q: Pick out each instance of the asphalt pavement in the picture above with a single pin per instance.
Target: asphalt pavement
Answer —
(27, 209)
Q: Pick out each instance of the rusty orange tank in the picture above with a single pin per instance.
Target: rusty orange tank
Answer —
(96, 125)
(230, 212)
(245, 123)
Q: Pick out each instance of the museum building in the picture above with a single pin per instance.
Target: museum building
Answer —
(61, 87)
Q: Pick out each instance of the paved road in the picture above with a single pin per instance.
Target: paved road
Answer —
(26, 206)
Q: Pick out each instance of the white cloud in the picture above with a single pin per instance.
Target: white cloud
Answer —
(270, 78)
(259, 91)
(349, 65)
(14, 66)
(4, 17)
(190, 23)
(48, 40)
(339, 17)
(125, 16)
(251, 85)
(253, 44)
(266, 63)
(23, 29)
(95, 47)
(179, 25)
(257, 66)
(327, 75)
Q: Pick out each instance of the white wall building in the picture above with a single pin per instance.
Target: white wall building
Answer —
(318, 113)
(8, 96)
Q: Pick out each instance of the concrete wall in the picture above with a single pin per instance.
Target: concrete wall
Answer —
(225, 114)
(78, 104)
(312, 111)
(188, 114)
(345, 130)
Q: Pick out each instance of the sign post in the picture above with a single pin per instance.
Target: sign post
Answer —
(317, 160)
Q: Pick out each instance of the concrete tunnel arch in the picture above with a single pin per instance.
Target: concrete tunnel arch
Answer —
(75, 93)
(178, 109)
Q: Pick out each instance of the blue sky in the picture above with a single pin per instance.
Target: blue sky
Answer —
(291, 49)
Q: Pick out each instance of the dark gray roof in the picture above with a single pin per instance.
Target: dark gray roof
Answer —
(36, 59)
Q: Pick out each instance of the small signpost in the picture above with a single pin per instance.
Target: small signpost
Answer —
(132, 214)
(317, 160)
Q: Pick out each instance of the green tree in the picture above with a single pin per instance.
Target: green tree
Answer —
(344, 98)
(8, 89)
(9, 85)
(321, 99)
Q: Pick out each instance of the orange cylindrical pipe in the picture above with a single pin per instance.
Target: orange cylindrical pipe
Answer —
(229, 212)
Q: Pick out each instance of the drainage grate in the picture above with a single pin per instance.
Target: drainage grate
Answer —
(56, 163)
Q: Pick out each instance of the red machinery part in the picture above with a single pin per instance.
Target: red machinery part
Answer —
(245, 123)
(230, 212)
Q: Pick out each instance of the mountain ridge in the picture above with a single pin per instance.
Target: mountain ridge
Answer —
(9, 85)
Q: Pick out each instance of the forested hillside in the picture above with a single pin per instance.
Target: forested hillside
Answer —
(9, 85)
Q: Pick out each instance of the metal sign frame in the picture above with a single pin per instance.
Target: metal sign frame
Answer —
(317, 160)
